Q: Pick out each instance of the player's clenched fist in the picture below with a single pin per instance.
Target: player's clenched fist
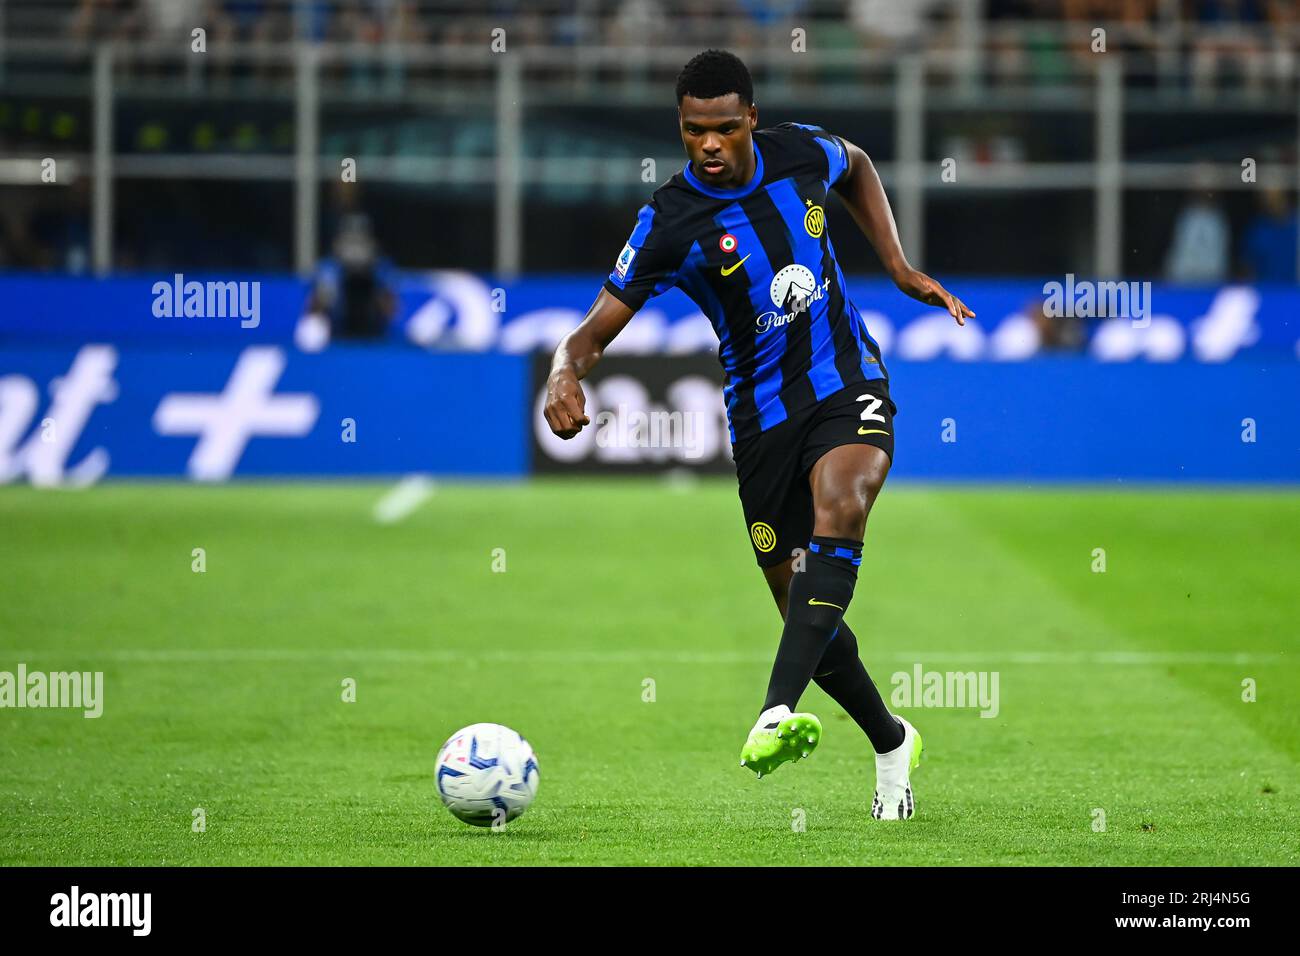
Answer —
(565, 404)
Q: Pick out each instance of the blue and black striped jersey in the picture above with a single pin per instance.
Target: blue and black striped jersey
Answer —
(759, 263)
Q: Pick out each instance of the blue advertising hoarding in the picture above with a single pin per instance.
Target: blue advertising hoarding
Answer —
(114, 378)
(1069, 419)
(459, 311)
(77, 415)
(74, 416)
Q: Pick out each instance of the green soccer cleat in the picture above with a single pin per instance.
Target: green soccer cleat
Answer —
(780, 736)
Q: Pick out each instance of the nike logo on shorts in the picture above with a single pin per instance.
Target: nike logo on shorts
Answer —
(813, 602)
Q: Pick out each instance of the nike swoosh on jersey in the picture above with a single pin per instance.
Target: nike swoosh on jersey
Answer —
(728, 271)
(872, 431)
(813, 602)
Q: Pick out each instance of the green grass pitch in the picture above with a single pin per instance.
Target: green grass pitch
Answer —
(1120, 692)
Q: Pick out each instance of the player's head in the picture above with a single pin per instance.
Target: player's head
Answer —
(715, 107)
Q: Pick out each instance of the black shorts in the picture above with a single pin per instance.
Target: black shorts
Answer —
(773, 467)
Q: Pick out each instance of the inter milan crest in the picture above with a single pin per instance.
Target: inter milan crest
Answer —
(814, 220)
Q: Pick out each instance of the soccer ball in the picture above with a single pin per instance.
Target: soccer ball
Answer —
(487, 775)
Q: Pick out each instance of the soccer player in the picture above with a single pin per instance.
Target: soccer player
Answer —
(741, 229)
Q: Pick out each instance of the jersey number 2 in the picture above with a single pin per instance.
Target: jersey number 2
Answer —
(869, 413)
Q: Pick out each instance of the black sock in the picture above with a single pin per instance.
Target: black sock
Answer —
(841, 675)
(819, 596)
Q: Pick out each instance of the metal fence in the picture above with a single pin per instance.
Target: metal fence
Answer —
(485, 94)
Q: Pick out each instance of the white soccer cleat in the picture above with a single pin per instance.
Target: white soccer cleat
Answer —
(893, 797)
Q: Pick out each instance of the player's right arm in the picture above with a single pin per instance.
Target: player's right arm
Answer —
(646, 267)
(577, 354)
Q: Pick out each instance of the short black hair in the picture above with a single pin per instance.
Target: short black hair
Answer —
(715, 73)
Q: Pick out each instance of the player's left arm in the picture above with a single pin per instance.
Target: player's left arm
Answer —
(860, 189)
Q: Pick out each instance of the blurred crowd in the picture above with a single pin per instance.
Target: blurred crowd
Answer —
(1251, 44)
(1247, 42)
(560, 22)
(405, 21)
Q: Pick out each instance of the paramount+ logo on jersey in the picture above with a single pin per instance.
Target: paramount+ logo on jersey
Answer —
(793, 289)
